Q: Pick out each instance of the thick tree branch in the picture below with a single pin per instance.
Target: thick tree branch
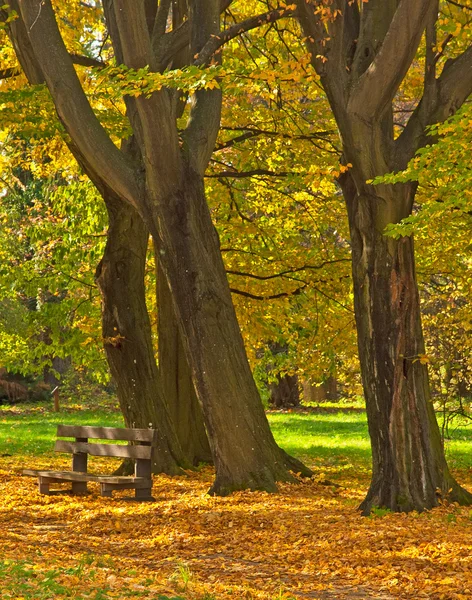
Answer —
(169, 44)
(376, 87)
(134, 35)
(316, 36)
(160, 23)
(204, 120)
(71, 102)
(23, 48)
(77, 59)
(374, 22)
(87, 61)
(452, 89)
(156, 126)
(165, 47)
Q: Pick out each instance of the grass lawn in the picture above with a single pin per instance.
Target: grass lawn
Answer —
(308, 541)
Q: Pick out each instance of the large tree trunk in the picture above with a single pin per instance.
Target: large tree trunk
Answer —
(243, 448)
(409, 467)
(362, 56)
(176, 379)
(167, 189)
(127, 333)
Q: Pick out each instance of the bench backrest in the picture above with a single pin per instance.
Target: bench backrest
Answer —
(143, 439)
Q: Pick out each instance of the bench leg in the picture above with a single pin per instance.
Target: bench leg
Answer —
(43, 486)
(106, 490)
(144, 494)
(79, 487)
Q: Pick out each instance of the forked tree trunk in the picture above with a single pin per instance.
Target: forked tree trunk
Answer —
(245, 453)
(409, 466)
(127, 334)
(362, 56)
(176, 380)
(170, 197)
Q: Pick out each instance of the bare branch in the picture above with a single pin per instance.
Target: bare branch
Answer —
(295, 292)
(251, 132)
(253, 173)
(216, 41)
(288, 271)
(459, 5)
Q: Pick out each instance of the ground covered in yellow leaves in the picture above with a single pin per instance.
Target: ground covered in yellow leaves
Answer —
(309, 541)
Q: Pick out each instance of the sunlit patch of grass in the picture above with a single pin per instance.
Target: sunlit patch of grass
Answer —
(331, 442)
(34, 432)
(332, 439)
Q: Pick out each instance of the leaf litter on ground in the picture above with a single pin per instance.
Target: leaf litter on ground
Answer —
(308, 541)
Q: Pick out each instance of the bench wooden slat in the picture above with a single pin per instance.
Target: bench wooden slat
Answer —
(141, 451)
(73, 476)
(106, 433)
(104, 449)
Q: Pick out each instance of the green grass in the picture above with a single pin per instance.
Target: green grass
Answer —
(335, 438)
(31, 429)
(334, 441)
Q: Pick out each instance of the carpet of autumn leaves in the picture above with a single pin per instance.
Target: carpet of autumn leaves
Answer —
(309, 541)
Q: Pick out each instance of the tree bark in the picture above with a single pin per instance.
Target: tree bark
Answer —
(362, 56)
(409, 470)
(245, 453)
(284, 393)
(126, 328)
(127, 334)
(176, 379)
(167, 190)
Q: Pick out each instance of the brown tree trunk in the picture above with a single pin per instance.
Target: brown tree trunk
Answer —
(127, 333)
(362, 56)
(244, 451)
(167, 189)
(176, 380)
(284, 393)
(409, 467)
(321, 392)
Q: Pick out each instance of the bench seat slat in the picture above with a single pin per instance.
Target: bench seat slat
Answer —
(105, 433)
(74, 476)
(104, 449)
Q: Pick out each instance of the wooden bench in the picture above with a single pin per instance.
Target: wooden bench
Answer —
(140, 452)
